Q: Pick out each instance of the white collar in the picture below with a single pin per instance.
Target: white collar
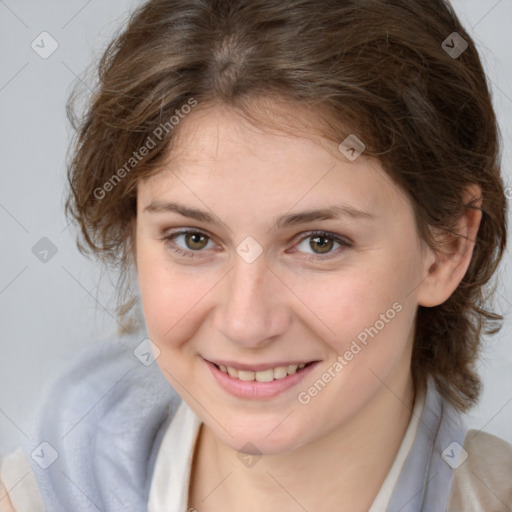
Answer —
(381, 501)
(171, 477)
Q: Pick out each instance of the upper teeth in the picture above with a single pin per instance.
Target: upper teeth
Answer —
(263, 376)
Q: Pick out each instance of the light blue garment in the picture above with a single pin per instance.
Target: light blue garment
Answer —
(426, 478)
(106, 415)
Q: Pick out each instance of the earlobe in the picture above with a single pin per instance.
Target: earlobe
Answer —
(452, 259)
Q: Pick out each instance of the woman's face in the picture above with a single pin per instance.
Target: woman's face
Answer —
(295, 255)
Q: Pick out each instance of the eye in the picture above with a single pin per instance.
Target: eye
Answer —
(322, 242)
(194, 241)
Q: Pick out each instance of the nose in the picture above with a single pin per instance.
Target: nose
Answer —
(252, 309)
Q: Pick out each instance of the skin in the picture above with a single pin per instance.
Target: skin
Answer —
(334, 452)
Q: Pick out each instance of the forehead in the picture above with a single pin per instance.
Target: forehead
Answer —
(218, 154)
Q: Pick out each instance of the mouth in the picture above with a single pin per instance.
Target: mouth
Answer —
(259, 381)
(268, 374)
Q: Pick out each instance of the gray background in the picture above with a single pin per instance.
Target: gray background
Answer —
(49, 309)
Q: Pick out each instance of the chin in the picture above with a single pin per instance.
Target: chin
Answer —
(262, 438)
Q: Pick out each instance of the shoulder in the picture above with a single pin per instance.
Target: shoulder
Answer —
(100, 419)
(108, 379)
(484, 480)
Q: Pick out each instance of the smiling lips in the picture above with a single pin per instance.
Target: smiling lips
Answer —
(242, 372)
(259, 381)
(279, 372)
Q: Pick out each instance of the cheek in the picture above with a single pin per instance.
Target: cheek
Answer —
(372, 322)
(174, 301)
(166, 295)
(353, 300)
(366, 315)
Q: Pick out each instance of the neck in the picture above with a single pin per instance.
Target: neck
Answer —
(342, 471)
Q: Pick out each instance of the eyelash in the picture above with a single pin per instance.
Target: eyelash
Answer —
(344, 243)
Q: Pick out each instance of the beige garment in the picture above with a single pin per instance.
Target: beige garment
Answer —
(18, 486)
(483, 483)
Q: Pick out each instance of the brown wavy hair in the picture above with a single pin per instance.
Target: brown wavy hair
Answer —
(374, 68)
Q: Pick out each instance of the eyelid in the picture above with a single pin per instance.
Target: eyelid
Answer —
(169, 236)
(322, 232)
(344, 242)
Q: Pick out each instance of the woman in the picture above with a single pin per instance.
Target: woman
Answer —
(309, 195)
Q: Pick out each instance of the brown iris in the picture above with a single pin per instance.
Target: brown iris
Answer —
(324, 243)
(196, 240)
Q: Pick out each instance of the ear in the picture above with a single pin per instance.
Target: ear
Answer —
(445, 268)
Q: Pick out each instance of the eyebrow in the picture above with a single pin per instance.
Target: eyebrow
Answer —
(287, 220)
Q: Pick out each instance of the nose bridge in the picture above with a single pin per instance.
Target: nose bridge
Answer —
(250, 312)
